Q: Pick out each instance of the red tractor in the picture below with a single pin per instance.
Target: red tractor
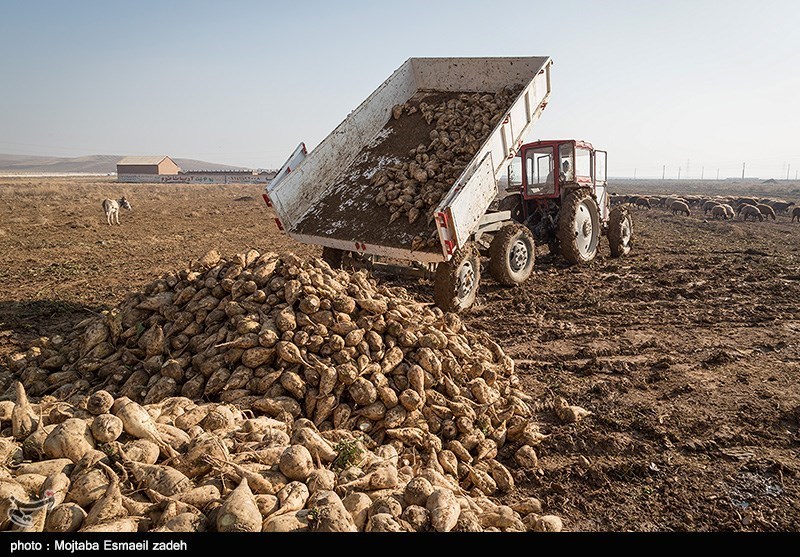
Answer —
(557, 193)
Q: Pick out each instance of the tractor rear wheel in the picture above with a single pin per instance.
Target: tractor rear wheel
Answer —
(579, 227)
(620, 231)
(512, 255)
(455, 285)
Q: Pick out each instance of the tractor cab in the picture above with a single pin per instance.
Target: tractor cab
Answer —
(551, 169)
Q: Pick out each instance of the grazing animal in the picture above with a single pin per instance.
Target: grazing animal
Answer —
(642, 202)
(747, 201)
(781, 206)
(672, 199)
(750, 211)
(111, 208)
(729, 210)
(766, 210)
(709, 206)
(719, 211)
(796, 214)
(618, 199)
(694, 200)
(680, 207)
(740, 206)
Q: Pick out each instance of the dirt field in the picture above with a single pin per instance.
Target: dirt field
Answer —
(687, 352)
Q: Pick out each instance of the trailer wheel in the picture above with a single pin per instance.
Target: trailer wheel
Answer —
(620, 231)
(511, 255)
(455, 285)
(333, 257)
(579, 227)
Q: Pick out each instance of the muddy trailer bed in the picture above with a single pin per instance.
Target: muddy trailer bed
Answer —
(324, 196)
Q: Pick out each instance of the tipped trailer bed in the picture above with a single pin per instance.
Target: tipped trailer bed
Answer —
(324, 196)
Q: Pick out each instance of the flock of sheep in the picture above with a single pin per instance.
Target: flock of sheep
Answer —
(719, 207)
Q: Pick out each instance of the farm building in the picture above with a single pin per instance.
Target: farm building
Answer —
(224, 176)
(132, 169)
(162, 169)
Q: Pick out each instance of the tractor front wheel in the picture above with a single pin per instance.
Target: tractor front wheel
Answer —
(455, 285)
(620, 231)
(579, 227)
(512, 255)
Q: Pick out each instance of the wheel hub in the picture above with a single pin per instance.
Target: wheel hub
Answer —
(466, 279)
(518, 257)
(587, 228)
(626, 231)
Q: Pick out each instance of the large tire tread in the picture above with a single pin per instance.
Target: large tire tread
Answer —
(565, 233)
(445, 283)
(615, 241)
(499, 267)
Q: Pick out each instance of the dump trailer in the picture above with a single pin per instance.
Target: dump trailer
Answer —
(410, 180)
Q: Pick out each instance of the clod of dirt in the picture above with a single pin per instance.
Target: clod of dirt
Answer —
(722, 357)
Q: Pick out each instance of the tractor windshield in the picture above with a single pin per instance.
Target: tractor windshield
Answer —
(539, 171)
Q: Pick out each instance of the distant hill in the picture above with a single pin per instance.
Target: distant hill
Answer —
(90, 164)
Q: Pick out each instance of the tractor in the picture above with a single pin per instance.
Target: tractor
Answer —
(556, 193)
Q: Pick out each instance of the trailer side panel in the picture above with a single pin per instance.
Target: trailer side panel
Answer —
(296, 194)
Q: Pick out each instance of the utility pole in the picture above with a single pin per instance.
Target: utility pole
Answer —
(634, 174)
(663, 171)
(702, 173)
(679, 173)
(718, 175)
(743, 171)
(788, 168)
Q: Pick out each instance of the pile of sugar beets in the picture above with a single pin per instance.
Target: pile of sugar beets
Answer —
(268, 393)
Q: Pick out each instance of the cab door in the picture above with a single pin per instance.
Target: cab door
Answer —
(600, 178)
(538, 172)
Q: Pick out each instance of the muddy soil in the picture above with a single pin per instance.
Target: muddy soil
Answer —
(59, 259)
(687, 352)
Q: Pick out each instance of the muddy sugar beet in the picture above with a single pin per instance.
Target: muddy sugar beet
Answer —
(412, 188)
(272, 393)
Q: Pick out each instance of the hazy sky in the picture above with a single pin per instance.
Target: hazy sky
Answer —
(683, 84)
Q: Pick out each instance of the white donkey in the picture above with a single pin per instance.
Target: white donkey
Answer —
(112, 207)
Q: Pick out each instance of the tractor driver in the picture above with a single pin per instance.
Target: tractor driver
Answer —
(563, 176)
(566, 172)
